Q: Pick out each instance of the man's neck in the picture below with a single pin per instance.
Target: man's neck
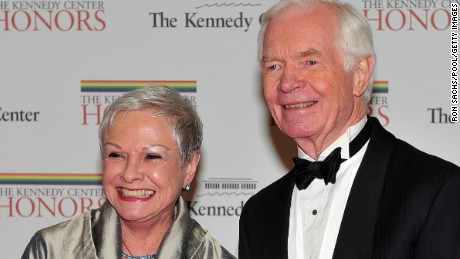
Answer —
(316, 151)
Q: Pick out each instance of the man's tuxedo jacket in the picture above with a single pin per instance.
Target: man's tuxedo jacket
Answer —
(403, 204)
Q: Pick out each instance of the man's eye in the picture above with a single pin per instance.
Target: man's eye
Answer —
(153, 156)
(312, 62)
(273, 67)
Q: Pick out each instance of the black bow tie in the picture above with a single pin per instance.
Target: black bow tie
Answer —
(306, 171)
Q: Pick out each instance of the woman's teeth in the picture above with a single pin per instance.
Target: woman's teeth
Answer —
(137, 193)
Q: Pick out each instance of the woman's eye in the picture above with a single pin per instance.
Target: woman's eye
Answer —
(153, 156)
(114, 155)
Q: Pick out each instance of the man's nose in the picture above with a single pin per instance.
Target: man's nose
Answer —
(291, 79)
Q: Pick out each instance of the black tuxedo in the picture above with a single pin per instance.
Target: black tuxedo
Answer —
(403, 204)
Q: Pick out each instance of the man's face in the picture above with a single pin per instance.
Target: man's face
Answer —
(306, 87)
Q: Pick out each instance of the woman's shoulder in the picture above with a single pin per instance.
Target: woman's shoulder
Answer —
(52, 240)
(58, 230)
(207, 246)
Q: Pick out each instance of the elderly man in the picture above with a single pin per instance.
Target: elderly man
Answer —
(355, 191)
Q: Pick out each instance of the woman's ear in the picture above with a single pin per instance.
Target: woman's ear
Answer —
(191, 167)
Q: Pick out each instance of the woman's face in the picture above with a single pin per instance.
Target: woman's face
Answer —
(142, 175)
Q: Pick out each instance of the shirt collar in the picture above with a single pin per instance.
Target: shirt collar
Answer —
(343, 142)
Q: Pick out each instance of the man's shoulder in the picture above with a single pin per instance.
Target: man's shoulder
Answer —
(406, 155)
(268, 194)
(410, 156)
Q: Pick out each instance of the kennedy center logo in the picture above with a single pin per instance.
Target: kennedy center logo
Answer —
(222, 197)
(378, 105)
(407, 15)
(35, 195)
(64, 16)
(97, 95)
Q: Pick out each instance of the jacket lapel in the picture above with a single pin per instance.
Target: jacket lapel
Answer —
(356, 234)
(274, 241)
(106, 232)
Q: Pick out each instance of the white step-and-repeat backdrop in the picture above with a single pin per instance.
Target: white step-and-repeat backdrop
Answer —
(63, 62)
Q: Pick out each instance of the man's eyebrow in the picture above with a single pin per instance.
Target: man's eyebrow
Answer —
(307, 53)
(267, 59)
(310, 52)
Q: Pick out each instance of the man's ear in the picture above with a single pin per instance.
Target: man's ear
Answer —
(363, 73)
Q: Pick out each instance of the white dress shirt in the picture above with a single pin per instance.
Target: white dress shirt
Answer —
(317, 211)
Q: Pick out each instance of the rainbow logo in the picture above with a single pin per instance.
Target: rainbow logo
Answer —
(94, 86)
(380, 87)
(50, 179)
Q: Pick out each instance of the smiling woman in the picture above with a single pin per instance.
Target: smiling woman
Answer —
(143, 175)
(150, 142)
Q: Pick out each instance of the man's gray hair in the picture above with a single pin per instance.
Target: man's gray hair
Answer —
(356, 40)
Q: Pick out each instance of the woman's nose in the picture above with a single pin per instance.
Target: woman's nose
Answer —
(132, 172)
